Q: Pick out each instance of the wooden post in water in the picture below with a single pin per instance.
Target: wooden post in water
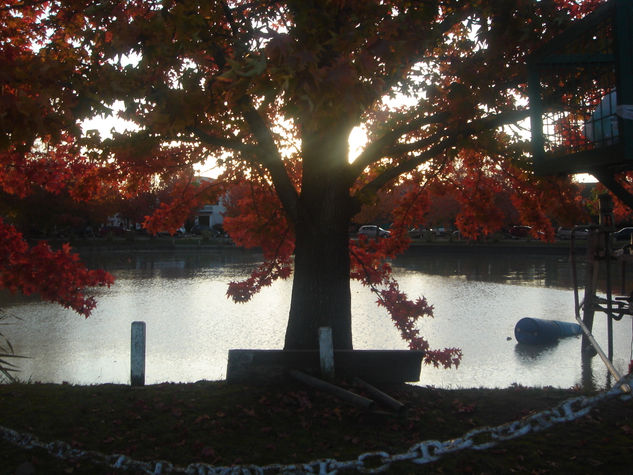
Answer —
(606, 221)
(598, 249)
(591, 282)
(137, 354)
(326, 352)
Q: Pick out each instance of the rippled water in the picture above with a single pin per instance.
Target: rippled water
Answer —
(478, 299)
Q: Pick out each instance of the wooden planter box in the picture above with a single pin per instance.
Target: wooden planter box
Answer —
(375, 366)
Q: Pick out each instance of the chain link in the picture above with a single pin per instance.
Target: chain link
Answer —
(428, 451)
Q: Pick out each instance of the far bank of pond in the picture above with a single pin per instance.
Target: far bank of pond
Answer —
(144, 243)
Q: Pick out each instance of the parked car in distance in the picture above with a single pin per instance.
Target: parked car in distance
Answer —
(623, 234)
(179, 232)
(517, 232)
(582, 232)
(111, 231)
(372, 231)
(416, 232)
(439, 232)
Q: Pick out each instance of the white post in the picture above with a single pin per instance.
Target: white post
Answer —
(137, 354)
(326, 352)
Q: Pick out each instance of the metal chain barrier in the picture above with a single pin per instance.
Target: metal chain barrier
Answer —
(481, 438)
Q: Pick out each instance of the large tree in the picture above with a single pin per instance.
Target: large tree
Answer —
(272, 90)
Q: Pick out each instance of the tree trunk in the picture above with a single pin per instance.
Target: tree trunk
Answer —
(321, 292)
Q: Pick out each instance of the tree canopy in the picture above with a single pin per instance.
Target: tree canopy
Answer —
(271, 91)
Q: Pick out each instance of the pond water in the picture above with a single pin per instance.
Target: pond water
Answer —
(181, 295)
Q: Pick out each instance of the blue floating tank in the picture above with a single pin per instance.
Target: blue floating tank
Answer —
(534, 331)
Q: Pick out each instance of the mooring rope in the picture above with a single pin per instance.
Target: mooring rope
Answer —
(424, 452)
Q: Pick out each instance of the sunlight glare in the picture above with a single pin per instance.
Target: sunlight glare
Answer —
(357, 142)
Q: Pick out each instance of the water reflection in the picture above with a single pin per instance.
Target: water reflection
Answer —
(191, 325)
(511, 266)
(530, 353)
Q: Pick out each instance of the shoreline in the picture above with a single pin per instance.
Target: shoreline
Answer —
(509, 246)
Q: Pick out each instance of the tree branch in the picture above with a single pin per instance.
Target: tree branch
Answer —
(430, 37)
(376, 150)
(608, 179)
(266, 151)
(406, 166)
(225, 142)
(22, 5)
(443, 144)
(268, 155)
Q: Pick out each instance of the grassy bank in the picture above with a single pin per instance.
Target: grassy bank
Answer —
(222, 424)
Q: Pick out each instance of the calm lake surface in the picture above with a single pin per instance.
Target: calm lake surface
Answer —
(478, 298)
